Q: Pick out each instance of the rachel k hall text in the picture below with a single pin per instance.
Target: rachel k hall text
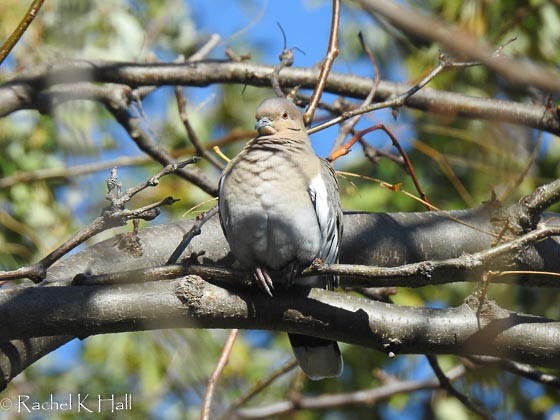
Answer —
(77, 403)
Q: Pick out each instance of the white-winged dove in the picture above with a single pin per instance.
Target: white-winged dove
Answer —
(280, 209)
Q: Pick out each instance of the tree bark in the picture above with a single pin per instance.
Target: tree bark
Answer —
(384, 239)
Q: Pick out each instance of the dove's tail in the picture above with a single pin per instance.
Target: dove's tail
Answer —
(317, 357)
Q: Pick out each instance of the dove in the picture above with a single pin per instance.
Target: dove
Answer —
(279, 208)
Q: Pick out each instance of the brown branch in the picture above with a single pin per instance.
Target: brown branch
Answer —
(539, 200)
(191, 134)
(408, 165)
(332, 53)
(446, 384)
(145, 142)
(222, 362)
(367, 397)
(344, 149)
(347, 127)
(28, 92)
(194, 231)
(258, 387)
(115, 215)
(460, 43)
(517, 368)
(444, 63)
(20, 29)
(422, 273)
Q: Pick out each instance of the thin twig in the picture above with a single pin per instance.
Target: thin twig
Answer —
(146, 143)
(538, 201)
(397, 101)
(286, 58)
(349, 125)
(259, 386)
(20, 29)
(517, 368)
(445, 383)
(222, 362)
(332, 53)
(74, 171)
(365, 397)
(194, 231)
(154, 180)
(191, 134)
(344, 149)
(115, 215)
(206, 48)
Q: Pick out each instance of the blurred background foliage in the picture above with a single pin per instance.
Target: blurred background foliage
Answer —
(459, 162)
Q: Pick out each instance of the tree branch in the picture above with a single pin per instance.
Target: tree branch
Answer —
(367, 236)
(192, 302)
(462, 44)
(332, 53)
(368, 397)
(33, 91)
(222, 362)
(20, 29)
(520, 369)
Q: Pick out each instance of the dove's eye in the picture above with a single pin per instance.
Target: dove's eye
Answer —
(285, 115)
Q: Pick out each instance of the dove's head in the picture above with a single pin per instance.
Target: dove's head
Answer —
(277, 115)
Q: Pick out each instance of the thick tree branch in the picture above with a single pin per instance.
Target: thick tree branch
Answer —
(410, 237)
(192, 302)
(36, 90)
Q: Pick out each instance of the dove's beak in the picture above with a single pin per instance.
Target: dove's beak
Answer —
(264, 127)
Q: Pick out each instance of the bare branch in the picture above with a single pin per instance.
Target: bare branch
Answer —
(145, 142)
(535, 203)
(222, 362)
(332, 53)
(517, 368)
(367, 397)
(423, 273)
(400, 100)
(27, 92)
(446, 384)
(348, 127)
(462, 44)
(116, 215)
(258, 387)
(17, 355)
(195, 141)
(21, 28)
(192, 302)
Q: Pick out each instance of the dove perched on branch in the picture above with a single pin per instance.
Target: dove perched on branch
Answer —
(280, 209)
